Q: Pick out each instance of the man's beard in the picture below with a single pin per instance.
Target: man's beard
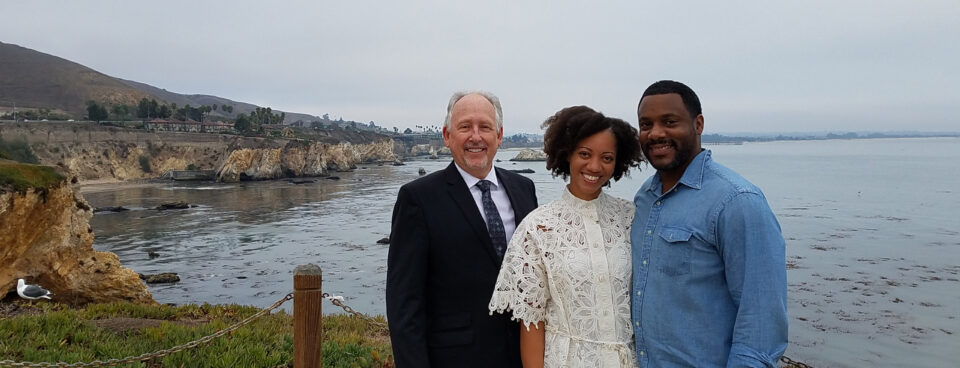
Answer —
(680, 156)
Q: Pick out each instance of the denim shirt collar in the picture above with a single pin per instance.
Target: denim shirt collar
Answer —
(692, 176)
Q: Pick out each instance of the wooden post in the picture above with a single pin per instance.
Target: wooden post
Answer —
(307, 316)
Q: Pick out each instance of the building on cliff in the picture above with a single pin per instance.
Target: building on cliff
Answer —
(164, 125)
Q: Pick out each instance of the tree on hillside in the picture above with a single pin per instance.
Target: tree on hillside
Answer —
(148, 109)
(518, 138)
(164, 112)
(262, 115)
(96, 112)
(189, 112)
(119, 112)
(143, 108)
(154, 108)
(242, 124)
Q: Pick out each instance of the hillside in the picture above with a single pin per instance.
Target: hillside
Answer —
(32, 79)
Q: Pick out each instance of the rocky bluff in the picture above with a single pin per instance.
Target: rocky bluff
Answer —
(90, 151)
(298, 159)
(47, 239)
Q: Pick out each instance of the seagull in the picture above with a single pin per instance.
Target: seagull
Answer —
(31, 292)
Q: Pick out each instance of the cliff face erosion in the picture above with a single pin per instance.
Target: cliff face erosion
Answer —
(298, 159)
(47, 240)
(93, 152)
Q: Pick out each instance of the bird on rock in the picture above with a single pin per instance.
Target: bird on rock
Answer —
(31, 292)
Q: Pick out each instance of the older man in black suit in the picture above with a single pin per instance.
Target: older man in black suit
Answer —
(449, 232)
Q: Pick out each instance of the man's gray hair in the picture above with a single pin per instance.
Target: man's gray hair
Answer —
(489, 96)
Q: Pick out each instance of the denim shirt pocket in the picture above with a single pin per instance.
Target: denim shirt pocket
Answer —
(675, 255)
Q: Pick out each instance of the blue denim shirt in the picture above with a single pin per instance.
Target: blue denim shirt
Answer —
(709, 272)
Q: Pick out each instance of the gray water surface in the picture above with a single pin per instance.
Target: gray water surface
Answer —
(873, 241)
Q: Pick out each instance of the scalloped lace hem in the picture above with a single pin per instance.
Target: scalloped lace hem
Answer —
(524, 316)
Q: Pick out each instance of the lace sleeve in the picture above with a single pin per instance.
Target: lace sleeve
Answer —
(522, 283)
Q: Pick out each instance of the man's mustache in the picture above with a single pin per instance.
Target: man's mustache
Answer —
(661, 141)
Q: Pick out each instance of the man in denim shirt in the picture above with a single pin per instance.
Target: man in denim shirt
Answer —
(709, 272)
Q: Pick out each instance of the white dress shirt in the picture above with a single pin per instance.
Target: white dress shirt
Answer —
(499, 196)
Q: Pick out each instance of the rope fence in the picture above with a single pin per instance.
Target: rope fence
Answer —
(158, 354)
(308, 328)
(338, 301)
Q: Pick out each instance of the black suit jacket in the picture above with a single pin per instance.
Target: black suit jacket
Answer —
(441, 270)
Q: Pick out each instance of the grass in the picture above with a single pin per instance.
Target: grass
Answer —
(20, 176)
(58, 333)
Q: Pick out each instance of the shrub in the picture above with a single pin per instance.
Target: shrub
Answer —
(18, 150)
(191, 167)
(145, 163)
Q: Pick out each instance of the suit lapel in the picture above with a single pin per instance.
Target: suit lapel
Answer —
(457, 188)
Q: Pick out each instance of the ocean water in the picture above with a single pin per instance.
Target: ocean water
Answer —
(873, 240)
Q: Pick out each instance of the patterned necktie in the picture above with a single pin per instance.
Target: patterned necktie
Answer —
(494, 224)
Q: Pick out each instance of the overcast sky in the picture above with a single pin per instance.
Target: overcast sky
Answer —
(758, 66)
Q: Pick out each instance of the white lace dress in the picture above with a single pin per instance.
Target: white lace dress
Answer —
(568, 265)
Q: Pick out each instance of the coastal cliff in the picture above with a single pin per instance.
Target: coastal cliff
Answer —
(90, 152)
(300, 159)
(47, 240)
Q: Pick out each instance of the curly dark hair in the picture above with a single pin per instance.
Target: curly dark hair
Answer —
(571, 125)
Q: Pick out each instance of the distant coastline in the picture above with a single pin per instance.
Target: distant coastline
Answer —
(739, 139)
(536, 141)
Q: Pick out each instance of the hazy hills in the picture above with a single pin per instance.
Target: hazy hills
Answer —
(32, 79)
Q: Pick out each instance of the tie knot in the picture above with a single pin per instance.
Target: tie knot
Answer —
(484, 185)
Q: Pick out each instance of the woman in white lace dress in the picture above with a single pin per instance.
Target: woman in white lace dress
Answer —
(566, 273)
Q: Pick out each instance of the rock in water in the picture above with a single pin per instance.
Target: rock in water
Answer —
(530, 155)
(110, 209)
(522, 171)
(173, 206)
(160, 278)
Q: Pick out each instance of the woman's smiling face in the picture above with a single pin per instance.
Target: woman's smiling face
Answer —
(591, 164)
